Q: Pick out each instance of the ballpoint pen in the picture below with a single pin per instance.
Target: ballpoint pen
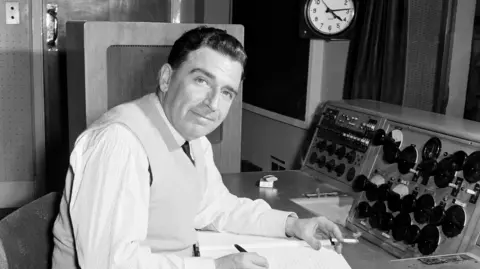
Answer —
(239, 248)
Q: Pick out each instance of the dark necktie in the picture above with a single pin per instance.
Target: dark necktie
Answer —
(186, 149)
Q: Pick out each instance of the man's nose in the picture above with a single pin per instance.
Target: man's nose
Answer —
(213, 99)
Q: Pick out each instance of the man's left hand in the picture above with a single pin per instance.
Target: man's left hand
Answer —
(313, 230)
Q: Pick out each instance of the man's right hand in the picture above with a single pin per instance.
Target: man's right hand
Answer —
(244, 260)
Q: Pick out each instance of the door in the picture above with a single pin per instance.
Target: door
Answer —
(55, 75)
(21, 105)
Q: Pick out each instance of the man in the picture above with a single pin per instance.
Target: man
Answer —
(142, 178)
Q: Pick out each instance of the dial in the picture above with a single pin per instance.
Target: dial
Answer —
(429, 239)
(471, 169)
(330, 17)
(409, 203)
(432, 149)
(412, 234)
(407, 159)
(363, 210)
(322, 145)
(437, 215)
(351, 174)
(376, 218)
(401, 223)
(423, 208)
(454, 221)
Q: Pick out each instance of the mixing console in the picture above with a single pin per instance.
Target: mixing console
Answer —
(415, 174)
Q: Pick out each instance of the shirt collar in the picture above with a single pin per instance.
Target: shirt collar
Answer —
(176, 135)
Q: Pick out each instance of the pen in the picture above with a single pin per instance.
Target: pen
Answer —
(239, 248)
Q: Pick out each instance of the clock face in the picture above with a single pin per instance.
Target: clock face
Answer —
(330, 17)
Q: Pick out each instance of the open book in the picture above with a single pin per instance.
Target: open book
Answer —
(281, 253)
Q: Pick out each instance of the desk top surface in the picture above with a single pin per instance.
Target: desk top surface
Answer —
(293, 184)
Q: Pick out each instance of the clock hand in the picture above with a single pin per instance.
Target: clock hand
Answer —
(328, 10)
(335, 15)
(340, 9)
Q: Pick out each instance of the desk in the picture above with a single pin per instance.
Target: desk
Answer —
(292, 184)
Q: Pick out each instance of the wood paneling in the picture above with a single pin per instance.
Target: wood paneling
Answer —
(100, 77)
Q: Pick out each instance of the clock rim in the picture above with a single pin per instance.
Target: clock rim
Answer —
(312, 26)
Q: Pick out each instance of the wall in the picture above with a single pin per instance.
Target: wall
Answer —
(263, 137)
(21, 110)
(460, 61)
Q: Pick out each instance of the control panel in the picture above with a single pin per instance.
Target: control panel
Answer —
(415, 176)
(342, 145)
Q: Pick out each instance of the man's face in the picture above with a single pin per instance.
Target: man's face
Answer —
(200, 92)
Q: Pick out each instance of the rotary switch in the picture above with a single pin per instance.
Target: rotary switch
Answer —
(377, 190)
(423, 208)
(331, 149)
(340, 169)
(330, 165)
(340, 152)
(321, 161)
(363, 211)
(401, 224)
(454, 221)
(412, 234)
(322, 145)
(395, 197)
(351, 156)
(428, 240)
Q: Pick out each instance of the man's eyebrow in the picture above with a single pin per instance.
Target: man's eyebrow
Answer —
(203, 71)
(213, 77)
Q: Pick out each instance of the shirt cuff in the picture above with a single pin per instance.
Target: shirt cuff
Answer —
(199, 263)
(275, 221)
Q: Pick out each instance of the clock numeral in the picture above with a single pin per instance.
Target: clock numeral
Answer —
(318, 2)
(338, 25)
(348, 11)
(329, 28)
(321, 25)
(314, 10)
(346, 2)
(316, 18)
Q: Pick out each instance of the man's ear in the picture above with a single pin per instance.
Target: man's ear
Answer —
(164, 77)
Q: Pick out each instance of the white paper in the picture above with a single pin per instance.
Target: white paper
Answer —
(280, 252)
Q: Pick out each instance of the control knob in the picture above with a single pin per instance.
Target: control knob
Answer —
(340, 152)
(331, 149)
(330, 165)
(322, 145)
(351, 156)
(340, 169)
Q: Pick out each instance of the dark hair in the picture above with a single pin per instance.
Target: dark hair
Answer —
(203, 36)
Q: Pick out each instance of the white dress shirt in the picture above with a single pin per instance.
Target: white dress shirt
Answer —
(107, 193)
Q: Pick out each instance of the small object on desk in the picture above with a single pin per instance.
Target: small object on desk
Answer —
(196, 250)
(318, 194)
(332, 241)
(267, 181)
(239, 248)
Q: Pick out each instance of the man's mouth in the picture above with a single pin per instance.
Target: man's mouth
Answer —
(202, 116)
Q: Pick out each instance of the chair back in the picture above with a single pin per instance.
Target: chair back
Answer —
(26, 239)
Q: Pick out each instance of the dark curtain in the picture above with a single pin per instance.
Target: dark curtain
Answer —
(376, 58)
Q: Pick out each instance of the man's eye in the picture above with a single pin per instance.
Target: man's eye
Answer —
(201, 81)
(228, 94)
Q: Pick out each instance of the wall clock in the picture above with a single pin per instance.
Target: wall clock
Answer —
(328, 19)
